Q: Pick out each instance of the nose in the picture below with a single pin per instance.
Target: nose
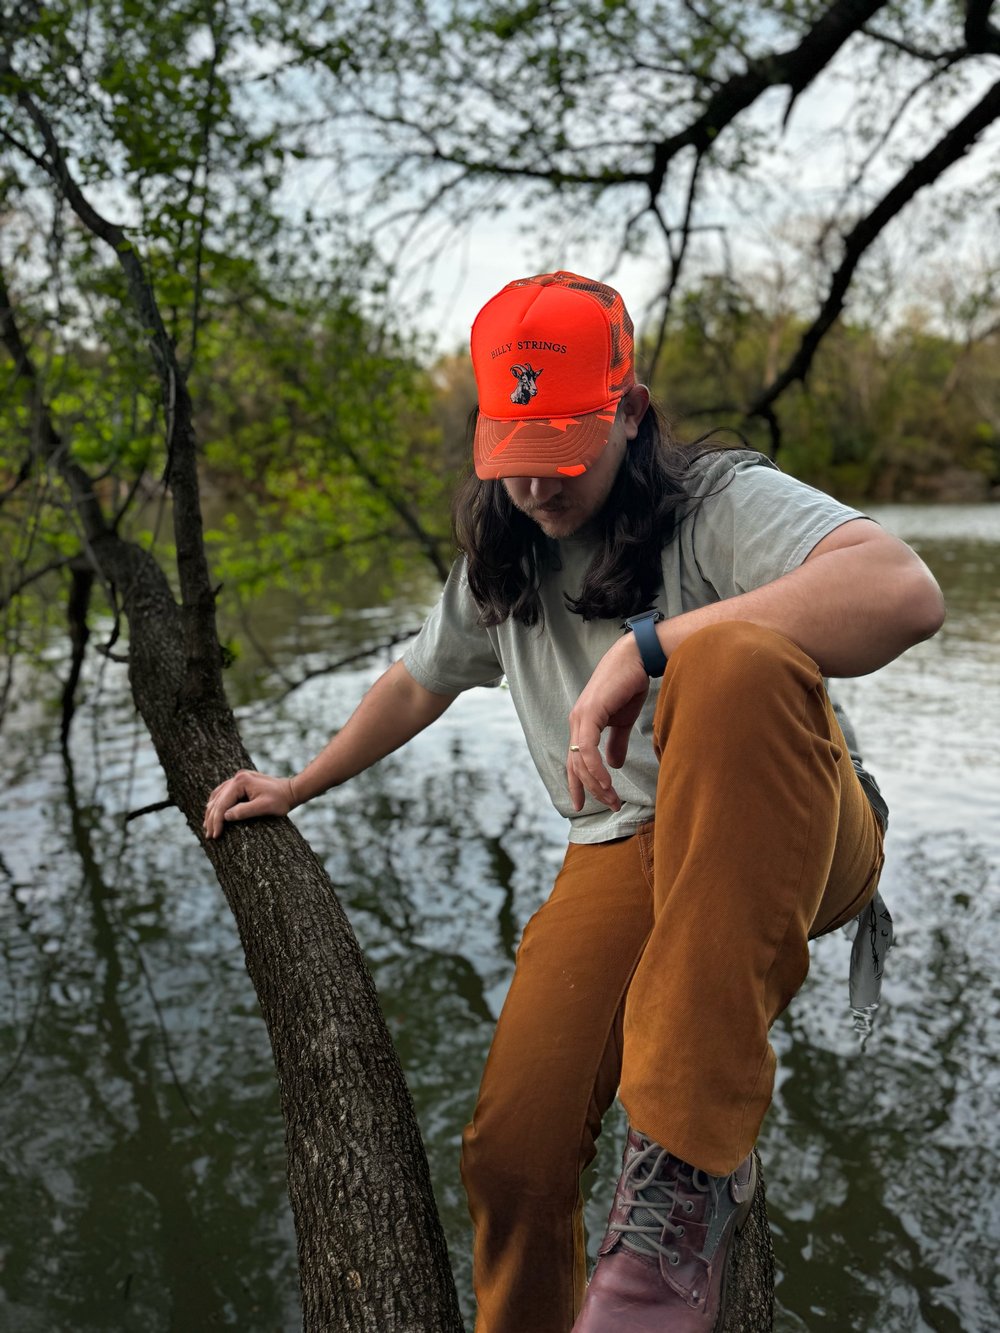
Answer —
(542, 489)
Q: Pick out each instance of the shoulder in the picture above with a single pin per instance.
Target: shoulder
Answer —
(751, 485)
(749, 522)
(712, 469)
(456, 596)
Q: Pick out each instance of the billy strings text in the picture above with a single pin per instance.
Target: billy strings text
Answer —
(528, 345)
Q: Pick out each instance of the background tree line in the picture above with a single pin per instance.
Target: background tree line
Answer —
(329, 439)
(898, 412)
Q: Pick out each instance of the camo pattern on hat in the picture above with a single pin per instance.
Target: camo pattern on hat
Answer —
(553, 356)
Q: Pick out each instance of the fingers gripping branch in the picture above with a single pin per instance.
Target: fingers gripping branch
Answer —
(247, 795)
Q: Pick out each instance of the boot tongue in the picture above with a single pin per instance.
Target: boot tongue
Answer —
(650, 1211)
(653, 1182)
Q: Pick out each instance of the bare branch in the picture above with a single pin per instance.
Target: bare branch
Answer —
(551, 175)
(677, 256)
(26, 580)
(948, 150)
(891, 124)
(23, 149)
(795, 69)
(206, 155)
(360, 656)
(910, 49)
(148, 810)
(706, 21)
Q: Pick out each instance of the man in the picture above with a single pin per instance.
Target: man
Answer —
(680, 607)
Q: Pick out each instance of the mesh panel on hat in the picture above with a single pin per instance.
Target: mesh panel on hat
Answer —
(622, 331)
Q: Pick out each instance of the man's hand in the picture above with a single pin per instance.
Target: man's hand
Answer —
(611, 701)
(245, 796)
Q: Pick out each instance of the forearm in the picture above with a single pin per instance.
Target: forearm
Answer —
(851, 613)
(393, 711)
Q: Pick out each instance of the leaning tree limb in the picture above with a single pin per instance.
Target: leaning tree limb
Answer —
(372, 1256)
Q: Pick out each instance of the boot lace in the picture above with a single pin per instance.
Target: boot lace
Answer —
(656, 1191)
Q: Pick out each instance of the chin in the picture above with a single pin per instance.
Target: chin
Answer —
(565, 525)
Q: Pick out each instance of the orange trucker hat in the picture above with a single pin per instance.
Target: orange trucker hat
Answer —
(553, 355)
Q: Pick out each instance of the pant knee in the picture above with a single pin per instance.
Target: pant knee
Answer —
(517, 1162)
(491, 1173)
(738, 655)
(736, 680)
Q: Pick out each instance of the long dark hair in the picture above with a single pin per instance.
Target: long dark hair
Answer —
(506, 551)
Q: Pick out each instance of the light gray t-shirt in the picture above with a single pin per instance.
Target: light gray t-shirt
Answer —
(753, 525)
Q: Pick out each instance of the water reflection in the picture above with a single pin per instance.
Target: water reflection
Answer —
(141, 1162)
(139, 1190)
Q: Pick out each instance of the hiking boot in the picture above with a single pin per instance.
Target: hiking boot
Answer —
(662, 1265)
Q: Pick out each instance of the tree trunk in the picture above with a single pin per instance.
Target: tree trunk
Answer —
(372, 1256)
(751, 1278)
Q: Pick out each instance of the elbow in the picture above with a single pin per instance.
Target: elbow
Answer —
(922, 605)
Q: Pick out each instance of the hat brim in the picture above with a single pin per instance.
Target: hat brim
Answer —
(541, 446)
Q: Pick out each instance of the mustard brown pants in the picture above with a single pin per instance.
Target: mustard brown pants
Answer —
(660, 961)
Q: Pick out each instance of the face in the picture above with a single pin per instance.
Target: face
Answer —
(562, 506)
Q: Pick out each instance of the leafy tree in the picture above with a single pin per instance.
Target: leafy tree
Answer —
(111, 330)
(882, 414)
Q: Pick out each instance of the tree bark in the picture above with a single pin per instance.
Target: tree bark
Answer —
(751, 1278)
(372, 1256)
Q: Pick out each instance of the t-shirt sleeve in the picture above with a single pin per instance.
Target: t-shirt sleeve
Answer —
(755, 524)
(453, 652)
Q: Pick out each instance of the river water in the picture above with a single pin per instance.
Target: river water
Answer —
(141, 1160)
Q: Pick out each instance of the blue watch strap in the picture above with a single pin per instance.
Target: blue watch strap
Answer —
(643, 626)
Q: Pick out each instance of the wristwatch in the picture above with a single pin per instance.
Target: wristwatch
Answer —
(643, 626)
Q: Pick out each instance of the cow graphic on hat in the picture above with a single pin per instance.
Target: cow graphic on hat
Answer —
(526, 386)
